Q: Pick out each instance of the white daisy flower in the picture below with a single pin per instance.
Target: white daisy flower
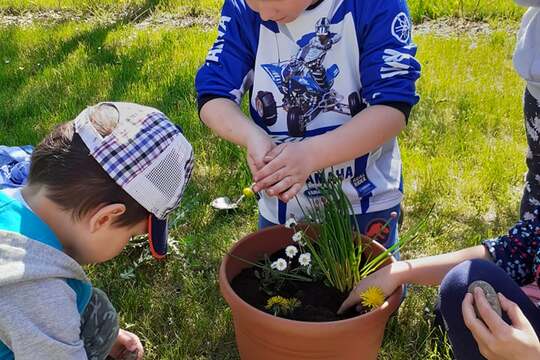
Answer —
(291, 223)
(297, 236)
(281, 264)
(291, 251)
(274, 265)
(305, 259)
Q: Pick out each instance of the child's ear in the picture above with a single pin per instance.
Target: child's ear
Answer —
(106, 216)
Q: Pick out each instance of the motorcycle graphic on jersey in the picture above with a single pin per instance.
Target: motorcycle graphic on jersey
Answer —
(306, 85)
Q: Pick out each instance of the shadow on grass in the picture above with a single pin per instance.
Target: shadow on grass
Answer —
(41, 84)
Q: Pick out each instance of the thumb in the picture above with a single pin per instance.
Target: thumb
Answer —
(272, 154)
(258, 163)
(514, 313)
(351, 300)
(252, 165)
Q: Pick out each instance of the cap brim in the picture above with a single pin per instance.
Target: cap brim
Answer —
(158, 233)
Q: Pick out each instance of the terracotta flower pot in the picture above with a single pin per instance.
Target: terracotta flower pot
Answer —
(262, 336)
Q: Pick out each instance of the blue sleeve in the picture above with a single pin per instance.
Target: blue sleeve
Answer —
(229, 64)
(517, 252)
(388, 66)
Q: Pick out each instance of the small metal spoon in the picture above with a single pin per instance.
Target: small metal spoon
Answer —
(225, 203)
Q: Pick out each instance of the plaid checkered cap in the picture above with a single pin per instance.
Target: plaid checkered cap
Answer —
(147, 155)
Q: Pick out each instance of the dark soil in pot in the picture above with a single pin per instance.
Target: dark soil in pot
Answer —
(319, 303)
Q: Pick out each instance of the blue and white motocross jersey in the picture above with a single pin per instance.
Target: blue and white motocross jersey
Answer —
(310, 76)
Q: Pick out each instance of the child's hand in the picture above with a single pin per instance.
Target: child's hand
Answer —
(258, 146)
(496, 339)
(382, 278)
(128, 346)
(287, 169)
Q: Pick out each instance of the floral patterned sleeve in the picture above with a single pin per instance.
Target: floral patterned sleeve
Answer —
(518, 252)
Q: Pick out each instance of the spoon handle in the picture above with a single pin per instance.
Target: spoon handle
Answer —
(239, 200)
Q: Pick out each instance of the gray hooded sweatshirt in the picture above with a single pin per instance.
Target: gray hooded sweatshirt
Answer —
(42, 290)
(527, 54)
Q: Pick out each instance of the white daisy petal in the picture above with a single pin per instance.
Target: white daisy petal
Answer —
(305, 259)
(297, 236)
(281, 264)
(291, 251)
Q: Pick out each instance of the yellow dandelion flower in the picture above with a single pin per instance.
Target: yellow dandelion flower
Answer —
(248, 192)
(280, 305)
(372, 297)
(277, 301)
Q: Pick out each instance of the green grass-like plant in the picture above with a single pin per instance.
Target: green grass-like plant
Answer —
(338, 251)
(335, 253)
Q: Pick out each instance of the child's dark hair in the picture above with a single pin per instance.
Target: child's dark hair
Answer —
(73, 179)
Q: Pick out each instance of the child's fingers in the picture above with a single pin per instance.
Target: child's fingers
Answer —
(138, 349)
(281, 186)
(475, 325)
(350, 301)
(269, 169)
(289, 194)
(252, 167)
(258, 163)
(514, 313)
(140, 353)
(272, 154)
(130, 341)
(490, 317)
(257, 154)
(270, 180)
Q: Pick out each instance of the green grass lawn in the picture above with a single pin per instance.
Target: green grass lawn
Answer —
(101, 7)
(471, 9)
(420, 9)
(463, 151)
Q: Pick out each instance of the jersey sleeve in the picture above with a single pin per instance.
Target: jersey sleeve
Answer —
(40, 320)
(388, 66)
(517, 252)
(228, 68)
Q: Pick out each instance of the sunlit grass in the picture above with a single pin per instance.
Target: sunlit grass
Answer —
(420, 9)
(463, 150)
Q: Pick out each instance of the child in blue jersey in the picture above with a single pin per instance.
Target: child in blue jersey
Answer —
(331, 84)
(114, 172)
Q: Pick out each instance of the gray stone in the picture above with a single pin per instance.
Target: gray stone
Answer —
(491, 296)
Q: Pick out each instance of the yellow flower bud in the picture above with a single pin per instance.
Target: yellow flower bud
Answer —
(248, 192)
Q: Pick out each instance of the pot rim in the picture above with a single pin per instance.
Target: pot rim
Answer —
(227, 291)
